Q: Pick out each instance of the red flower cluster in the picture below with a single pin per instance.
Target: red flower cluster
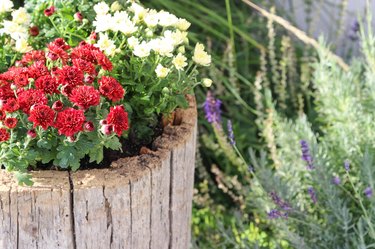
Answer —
(57, 89)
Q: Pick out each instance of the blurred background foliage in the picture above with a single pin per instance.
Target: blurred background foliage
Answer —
(257, 65)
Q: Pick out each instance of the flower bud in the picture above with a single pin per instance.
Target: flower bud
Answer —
(115, 6)
(207, 82)
(88, 79)
(57, 106)
(49, 11)
(34, 31)
(88, 126)
(93, 36)
(181, 49)
(78, 16)
(106, 129)
(31, 133)
(165, 91)
(13, 87)
(71, 139)
(149, 33)
(52, 56)
(103, 122)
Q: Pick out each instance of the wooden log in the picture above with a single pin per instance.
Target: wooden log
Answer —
(139, 202)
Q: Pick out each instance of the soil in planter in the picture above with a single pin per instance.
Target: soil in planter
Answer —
(129, 148)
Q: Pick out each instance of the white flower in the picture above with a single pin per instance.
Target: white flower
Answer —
(103, 23)
(179, 61)
(207, 82)
(106, 45)
(21, 16)
(22, 46)
(128, 27)
(177, 36)
(101, 8)
(167, 19)
(15, 30)
(161, 71)
(5, 6)
(183, 24)
(201, 57)
(116, 6)
(132, 42)
(138, 11)
(163, 46)
(151, 18)
(142, 50)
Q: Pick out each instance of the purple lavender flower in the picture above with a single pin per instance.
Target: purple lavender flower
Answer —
(336, 180)
(230, 133)
(306, 155)
(353, 31)
(368, 192)
(279, 202)
(275, 214)
(347, 165)
(250, 168)
(212, 109)
(312, 194)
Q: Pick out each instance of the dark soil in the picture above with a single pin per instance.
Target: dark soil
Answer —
(130, 148)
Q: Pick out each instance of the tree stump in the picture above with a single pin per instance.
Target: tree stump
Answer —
(139, 202)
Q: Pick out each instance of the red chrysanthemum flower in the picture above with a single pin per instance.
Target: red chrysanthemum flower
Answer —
(85, 52)
(70, 76)
(6, 92)
(103, 60)
(118, 118)
(10, 105)
(70, 121)
(85, 66)
(18, 75)
(33, 56)
(42, 115)
(85, 96)
(47, 83)
(111, 89)
(2, 115)
(4, 135)
(56, 52)
(21, 80)
(60, 42)
(37, 70)
(49, 11)
(31, 97)
(10, 122)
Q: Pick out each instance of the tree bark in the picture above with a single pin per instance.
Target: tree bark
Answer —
(140, 202)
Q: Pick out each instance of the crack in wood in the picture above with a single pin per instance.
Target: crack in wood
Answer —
(170, 200)
(108, 211)
(71, 189)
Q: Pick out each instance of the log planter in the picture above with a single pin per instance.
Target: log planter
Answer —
(139, 202)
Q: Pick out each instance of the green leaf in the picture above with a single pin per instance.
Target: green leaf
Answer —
(96, 154)
(23, 178)
(181, 101)
(113, 143)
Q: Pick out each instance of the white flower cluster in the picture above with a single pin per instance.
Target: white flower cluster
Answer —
(148, 32)
(18, 28)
